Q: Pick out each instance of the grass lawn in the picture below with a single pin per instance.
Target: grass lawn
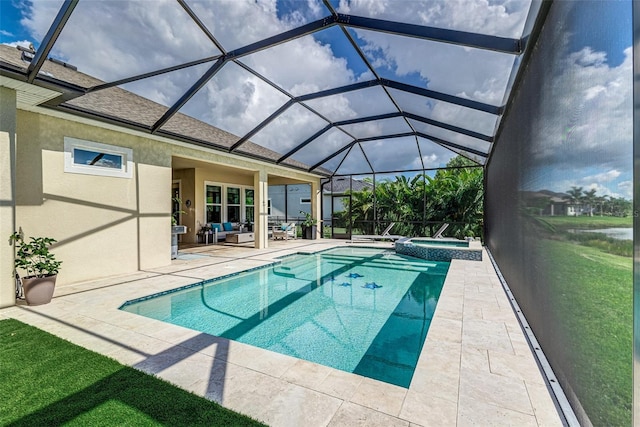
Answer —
(593, 291)
(47, 381)
(565, 222)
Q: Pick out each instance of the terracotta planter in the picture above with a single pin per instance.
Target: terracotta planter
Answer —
(38, 290)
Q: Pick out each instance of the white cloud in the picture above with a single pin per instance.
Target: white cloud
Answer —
(602, 177)
(466, 72)
(470, 73)
(38, 17)
(504, 18)
(320, 70)
(113, 40)
(588, 119)
(626, 189)
(23, 43)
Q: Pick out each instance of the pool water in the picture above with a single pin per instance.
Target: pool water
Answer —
(365, 311)
(438, 242)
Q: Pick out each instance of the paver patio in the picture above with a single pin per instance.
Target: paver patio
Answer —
(476, 367)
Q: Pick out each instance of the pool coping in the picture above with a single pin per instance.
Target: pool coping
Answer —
(475, 366)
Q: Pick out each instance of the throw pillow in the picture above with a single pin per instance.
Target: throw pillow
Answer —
(227, 226)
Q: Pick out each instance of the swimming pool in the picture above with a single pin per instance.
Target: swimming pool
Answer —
(365, 311)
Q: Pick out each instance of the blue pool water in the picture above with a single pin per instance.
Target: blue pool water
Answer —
(360, 310)
(441, 242)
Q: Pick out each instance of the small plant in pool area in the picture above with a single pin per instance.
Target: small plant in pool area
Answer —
(308, 226)
(34, 257)
(175, 215)
(308, 219)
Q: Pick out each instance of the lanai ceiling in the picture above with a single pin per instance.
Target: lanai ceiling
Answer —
(335, 86)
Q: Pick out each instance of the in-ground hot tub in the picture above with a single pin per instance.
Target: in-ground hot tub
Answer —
(440, 249)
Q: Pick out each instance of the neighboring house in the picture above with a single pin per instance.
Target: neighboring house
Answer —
(335, 192)
(286, 201)
(549, 203)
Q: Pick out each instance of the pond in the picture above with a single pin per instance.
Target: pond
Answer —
(616, 233)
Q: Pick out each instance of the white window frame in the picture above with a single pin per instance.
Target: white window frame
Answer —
(246, 205)
(222, 197)
(224, 204)
(239, 205)
(70, 166)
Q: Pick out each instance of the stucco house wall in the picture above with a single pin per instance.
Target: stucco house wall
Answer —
(104, 225)
(107, 225)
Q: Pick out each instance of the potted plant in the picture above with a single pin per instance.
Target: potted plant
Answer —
(40, 266)
(309, 226)
(175, 228)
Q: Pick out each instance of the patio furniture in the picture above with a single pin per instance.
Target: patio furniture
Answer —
(218, 231)
(384, 236)
(240, 238)
(438, 234)
(285, 231)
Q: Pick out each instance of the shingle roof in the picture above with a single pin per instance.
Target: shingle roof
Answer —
(341, 185)
(121, 105)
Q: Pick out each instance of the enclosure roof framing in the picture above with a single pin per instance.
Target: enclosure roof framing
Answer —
(312, 87)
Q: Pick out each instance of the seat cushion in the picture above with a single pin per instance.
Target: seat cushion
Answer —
(227, 226)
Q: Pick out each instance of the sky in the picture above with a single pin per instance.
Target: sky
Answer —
(112, 40)
(586, 140)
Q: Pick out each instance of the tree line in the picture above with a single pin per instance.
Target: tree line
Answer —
(599, 205)
(419, 205)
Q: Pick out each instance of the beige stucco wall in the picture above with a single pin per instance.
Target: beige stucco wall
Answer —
(107, 226)
(7, 207)
(104, 225)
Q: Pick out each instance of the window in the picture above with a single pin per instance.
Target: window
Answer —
(233, 204)
(229, 203)
(305, 200)
(94, 158)
(213, 203)
(248, 205)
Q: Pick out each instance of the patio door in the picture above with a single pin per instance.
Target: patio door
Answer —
(340, 223)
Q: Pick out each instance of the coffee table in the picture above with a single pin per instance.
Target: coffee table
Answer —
(240, 238)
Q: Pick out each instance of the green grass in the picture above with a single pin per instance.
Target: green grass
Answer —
(46, 381)
(566, 222)
(592, 295)
(603, 242)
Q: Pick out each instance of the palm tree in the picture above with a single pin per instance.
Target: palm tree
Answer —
(590, 198)
(575, 197)
(361, 211)
(452, 195)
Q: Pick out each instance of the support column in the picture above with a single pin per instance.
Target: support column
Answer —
(316, 211)
(8, 124)
(261, 196)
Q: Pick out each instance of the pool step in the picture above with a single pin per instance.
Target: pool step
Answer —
(283, 274)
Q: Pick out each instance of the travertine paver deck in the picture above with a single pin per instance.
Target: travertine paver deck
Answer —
(476, 367)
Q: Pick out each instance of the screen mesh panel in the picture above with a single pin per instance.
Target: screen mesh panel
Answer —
(557, 185)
